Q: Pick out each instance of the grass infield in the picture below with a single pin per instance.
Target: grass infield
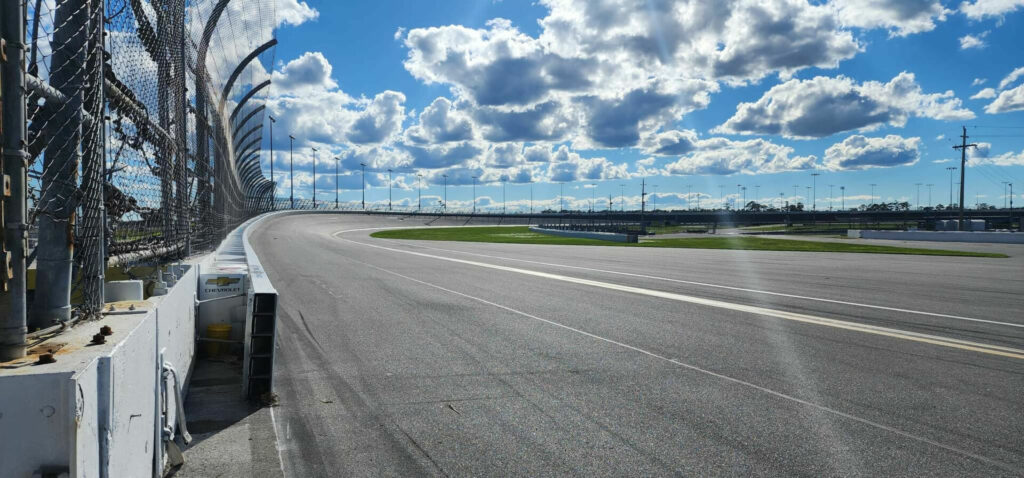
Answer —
(523, 235)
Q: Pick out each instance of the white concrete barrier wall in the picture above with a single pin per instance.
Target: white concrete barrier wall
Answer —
(940, 236)
(95, 411)
(603, 236)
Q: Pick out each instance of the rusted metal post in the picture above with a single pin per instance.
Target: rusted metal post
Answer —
(13, 310)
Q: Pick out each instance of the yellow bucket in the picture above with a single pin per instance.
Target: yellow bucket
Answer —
(220, 332)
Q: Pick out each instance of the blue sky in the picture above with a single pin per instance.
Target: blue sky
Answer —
(695, 97)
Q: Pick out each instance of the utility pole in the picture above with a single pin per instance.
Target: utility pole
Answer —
(291, 170)
(363, 173)
(444, 208)
(273, 185)
(474, 194)
(389, 189)
(918, 195)
(814, 191)
(419, 192)
(337, 186)
(314, 176)
(951, 169)
(963, 165)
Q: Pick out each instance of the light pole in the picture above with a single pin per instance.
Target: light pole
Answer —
(273, 185)
(291, 170)
(654, 198)
(951, 169)
(842, 195)
(1004, 194)
(362, 167)
(1011, 199)
(744, 205)
(561, 197)
(929, 195)
(721, 195)
(757, 192)
(474, 194)
(873, 192)
(389, 189)
(814, 191)
(831, 197)
(531, 196)
(689, 194)
(419, 192)
(314, 176)
(622, 197)
(503, 196)
(918, 195)
(444, 208)
(593, 197)
(781, 201)
(337, 186)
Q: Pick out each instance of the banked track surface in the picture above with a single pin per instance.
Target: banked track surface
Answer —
(395, 361)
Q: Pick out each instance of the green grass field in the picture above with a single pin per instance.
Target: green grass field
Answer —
(523, 235)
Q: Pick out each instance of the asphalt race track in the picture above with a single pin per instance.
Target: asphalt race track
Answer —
(409, 358)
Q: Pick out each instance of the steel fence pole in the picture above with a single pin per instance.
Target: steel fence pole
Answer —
(13, 311)
(93, 263)
(56, 217)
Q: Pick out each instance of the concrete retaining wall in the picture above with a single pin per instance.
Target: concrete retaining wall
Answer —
(602, 236)
(940, 236)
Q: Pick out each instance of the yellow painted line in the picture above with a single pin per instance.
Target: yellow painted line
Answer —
(792, 316)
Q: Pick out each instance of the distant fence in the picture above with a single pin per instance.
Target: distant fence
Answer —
(132, 135)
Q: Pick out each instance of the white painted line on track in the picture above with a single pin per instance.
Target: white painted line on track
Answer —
(704, 371)
(755, 310)
(277, 443)
(719, 286)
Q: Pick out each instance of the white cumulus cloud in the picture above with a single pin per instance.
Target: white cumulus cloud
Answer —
(824, 106)
(859, 152)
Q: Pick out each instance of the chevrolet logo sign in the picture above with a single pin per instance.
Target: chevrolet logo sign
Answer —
(223, 281)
